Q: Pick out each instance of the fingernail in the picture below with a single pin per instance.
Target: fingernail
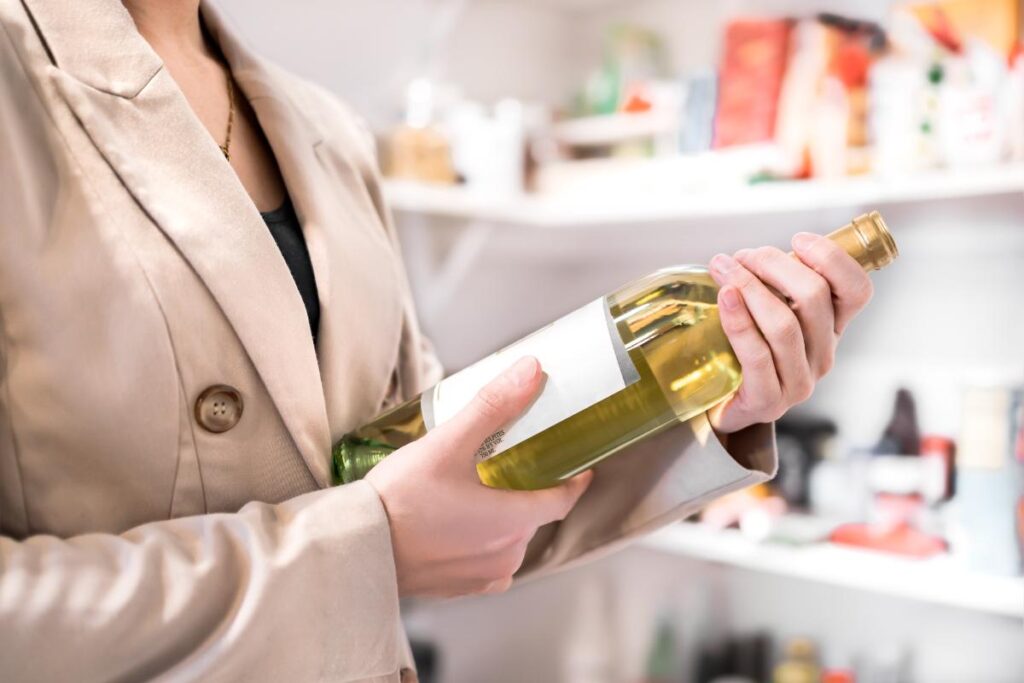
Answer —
(803, 240)
(730, 299)
(523, 370)
(724, 263)
(743, 253)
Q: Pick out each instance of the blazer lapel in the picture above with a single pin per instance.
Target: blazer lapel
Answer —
(358, 272)
(141, 123)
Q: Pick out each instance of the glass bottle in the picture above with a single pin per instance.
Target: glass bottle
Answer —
(627, 366)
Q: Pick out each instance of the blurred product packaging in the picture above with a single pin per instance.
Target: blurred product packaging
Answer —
(750, 78)
(736, 659)
(936, 85)
(985, 532)
(799, 663)
(418, 149)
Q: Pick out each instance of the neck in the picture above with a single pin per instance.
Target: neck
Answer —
(172, 24)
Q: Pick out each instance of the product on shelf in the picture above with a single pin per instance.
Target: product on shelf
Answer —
(698, 124)
(625, 367)
(802, 442)
(417, 150)
(901, 435)
(750, 78)
(990, 481)
(634, 57)
(995, 22)
(942, 451)
(800, 663)
(663, 657)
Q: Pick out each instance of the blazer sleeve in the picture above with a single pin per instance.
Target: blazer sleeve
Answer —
(650, 485)
(302, 590)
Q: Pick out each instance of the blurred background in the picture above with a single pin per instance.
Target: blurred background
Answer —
(540, 153)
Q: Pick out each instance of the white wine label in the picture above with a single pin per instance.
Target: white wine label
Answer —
(585, 362)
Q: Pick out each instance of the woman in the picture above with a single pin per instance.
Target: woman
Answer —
(168, 356)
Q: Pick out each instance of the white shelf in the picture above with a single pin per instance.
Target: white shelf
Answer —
(604, 130)
(938, 581)
(577, 210)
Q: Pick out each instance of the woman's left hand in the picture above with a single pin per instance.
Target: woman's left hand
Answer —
(784, 347)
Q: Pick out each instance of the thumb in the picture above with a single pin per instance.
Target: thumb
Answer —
(553, 504)
(499, 402)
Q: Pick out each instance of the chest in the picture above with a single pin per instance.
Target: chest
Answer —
(138, 281)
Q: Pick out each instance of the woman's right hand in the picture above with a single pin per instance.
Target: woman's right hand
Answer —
(451, 534)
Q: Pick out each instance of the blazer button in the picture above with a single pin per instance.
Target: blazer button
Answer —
(218, 408)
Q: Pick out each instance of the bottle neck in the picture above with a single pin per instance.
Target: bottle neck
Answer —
(868, 240)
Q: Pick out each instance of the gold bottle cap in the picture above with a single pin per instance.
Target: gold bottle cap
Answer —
(868, 240)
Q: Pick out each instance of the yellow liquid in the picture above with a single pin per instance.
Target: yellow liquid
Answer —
(669, 324)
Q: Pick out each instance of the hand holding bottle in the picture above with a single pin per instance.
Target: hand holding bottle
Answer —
(747, 341)
(784, 349)
(451, 534)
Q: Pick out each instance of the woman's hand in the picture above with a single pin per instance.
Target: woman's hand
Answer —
(784, 348)
(451, 534)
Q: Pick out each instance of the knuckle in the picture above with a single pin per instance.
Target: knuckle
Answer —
(502, 543)
(803, 388)
(819, 291)
(563, 506)
(489, 402)
(743, 278)
(773, 400)
(785, 331)
(765, 256)
(828, 362)
(863, 292)
(826, 252)
(736, 324)
(760, 361)
(504, 565)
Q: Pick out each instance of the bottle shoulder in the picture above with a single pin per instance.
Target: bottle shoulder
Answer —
(679, 281)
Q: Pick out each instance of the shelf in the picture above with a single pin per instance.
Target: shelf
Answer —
(717, 200)
(938, 581)
(605, 130)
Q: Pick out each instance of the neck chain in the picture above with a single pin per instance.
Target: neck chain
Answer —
(226, 147)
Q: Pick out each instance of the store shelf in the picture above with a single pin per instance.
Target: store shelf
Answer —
(938, 581)
(605, 130)
(689, 204)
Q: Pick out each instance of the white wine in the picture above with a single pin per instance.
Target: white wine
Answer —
(648, 356)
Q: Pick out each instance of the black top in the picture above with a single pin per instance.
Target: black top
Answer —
(284, 226)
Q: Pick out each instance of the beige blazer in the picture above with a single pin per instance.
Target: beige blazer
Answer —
(135, 273)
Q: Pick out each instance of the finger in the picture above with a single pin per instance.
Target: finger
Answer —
(809, 295)
(499, 586)
(761, 390)
(851, 287)
(777, 323)
(551, 505)
(494, 406)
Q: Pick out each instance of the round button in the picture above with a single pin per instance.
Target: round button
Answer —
(219, 408)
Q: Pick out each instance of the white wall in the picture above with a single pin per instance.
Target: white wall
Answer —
(367, 50)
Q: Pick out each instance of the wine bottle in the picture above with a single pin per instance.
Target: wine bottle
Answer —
(622, 368)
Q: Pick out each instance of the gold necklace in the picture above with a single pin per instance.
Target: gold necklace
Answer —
(226, 147)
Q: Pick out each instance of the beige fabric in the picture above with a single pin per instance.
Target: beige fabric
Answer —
(134, 273)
